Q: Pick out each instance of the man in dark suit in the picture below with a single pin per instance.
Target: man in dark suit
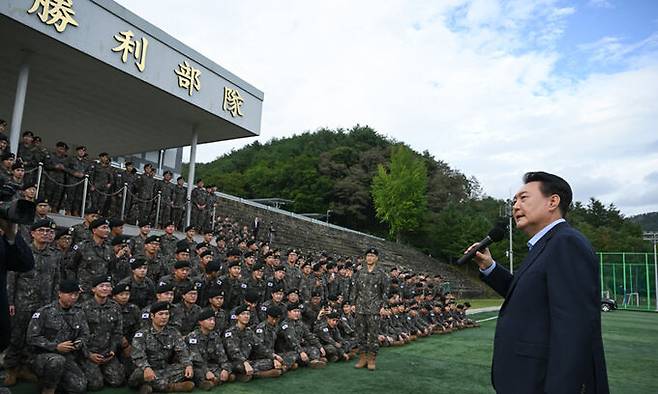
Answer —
(548, 335)
(15, 255)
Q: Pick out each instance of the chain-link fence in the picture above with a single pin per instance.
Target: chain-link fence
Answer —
(629, 279)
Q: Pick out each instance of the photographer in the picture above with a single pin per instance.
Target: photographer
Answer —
(15, 255)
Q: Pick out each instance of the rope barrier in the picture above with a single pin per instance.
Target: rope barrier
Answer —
(62, 184)
(108, 195)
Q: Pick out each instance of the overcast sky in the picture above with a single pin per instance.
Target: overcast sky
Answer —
(494, 88)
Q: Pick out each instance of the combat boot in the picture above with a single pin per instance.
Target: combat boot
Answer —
(363, 360)
(206, 385)
(317, 364)
(271, 373)
(25, 374)
(10, 377)
(371, 361)
(181, 387)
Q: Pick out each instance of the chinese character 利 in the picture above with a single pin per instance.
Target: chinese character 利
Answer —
(136, 47)
(188, 77)
(233, 101)
(58, 13)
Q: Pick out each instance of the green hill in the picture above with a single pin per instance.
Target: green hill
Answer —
(648, 221)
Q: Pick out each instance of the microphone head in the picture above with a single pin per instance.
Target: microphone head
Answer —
(497, 233)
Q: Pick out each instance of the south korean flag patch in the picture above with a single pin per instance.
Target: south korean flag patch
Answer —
(139, 335)
(243, 285)
(145, 315)
(36, 315)
(228, 334)
(192, 341)
(259, 331)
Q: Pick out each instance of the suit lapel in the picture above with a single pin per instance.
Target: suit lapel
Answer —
(535, 252)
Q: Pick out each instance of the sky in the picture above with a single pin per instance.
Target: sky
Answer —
(493, 88)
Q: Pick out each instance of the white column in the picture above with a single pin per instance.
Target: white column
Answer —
(190, 174)
(19, 105)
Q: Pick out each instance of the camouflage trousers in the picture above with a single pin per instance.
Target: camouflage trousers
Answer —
(200, 374)
(367, 330)
(54, 192)
(334, 353)
(111, 373)
(259, 365)
(312, 352)
(16, 351)
(59, 371)
(173, 373)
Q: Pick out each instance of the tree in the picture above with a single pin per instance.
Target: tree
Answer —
(399, 192)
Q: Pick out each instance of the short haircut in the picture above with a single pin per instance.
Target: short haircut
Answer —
(552, 184)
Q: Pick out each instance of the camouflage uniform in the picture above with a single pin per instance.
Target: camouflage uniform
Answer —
(199, 197)
(50, 326)
(331, 340)
(106, 330)
(91, 260)
(167, 199)
(188, 317)
(155, 267)
(266, 336)
(145, 191)
(80, 233)
(293, 278)
(168, 245)
(141, 293)
(29, 154)
(241, 346)
(208, 354)
(101, 178)
(177, 212)
(74, 193)
(29, 291)
(122, 178)
(56, 178)
(157, 350)
(233, 291)
(131, 319)
(295, 338)
(369, 295)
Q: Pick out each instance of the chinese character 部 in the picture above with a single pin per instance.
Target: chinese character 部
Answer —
(55, 12)
(135, 47)
(233, 101)
(188, 77)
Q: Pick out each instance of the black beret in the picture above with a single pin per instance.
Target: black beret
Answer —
(188, 228)
(147, 224)
(62, 231)
(206, 313)
(373, 251)
(296, 291)
(251, 296)
(240, 309)
(16, 165)
(169, 223)
(333, 315)
(120, 240)
(306, 263)
(315, 293)
(201, 245)
(233, 252)
(101, 279)
(274, 311)
(268, 254)
(120, 288)
(186, 288)
(207, 231)
(91, 211)
(182, 264)
(292, 306)
(182, 249)
(317, 267)
(41, 200)
(159, 306)
(152, 238)
(277, 288)
(331, 265)
(69, 286)
(206, 253)
(249, 254)
(47, 223)
(138, 262)
(215, 292)
(164, 287)
(99, 222)
(279, 268)
(258, 266)
(213, 266)
(114, 222)
(332, 297)
(6, 156)
(234, 263)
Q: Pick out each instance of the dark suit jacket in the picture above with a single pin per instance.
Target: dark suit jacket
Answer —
(548, 335)
(17, 257)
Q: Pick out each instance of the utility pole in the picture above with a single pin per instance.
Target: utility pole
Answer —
(510, 251)
(653, 237)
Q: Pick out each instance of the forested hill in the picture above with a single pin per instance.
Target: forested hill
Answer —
(648, 221)
(341, 170)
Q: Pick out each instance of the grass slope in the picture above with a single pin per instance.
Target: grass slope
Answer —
(460, 363)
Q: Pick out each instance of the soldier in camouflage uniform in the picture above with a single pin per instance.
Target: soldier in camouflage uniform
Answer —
(56, 176)
(145, 191)
(62, 243)
(296, 340)
(164, 292)
(81, 231)
(159, 352)
(215, 297)
(189, 310)
(369, 295)
(199, 200)
(293, 277)
(266, 333)
(168, 241)
(329, 335)
(154, 260)
(244, 350)
(130, 319)
(58, 335)
(28, 154)
(211, 365)
(233, 286)
(125, 178)
(92, 258)
(167, 190)
(105, 333)
(120, 264)
(180, 198)
(276, 299)
(101, 178)
(179, 279)
(255, 281)
(142, 288)
(77, 167)
(29, 291)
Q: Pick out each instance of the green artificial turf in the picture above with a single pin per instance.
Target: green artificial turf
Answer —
(482, 302)
(460, 363)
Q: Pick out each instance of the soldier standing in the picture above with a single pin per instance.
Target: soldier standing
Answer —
(58, 334)
(167, 190)
(145, 190)
(369, 295)
(180, 198)
(153, 350)
(125, 178)
(293, 279)
(28, 154)
(105, 324)
(29, 291)
(77, 167)
(56, 176)
(199, 200)
(101, 179)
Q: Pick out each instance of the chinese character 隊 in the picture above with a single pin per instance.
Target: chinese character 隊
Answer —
(55, 12)
(188, 77)
(233, 101)
(136, 47)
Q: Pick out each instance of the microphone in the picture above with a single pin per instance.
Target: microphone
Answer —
(495, 234)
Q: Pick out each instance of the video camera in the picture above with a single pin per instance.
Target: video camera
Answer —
(15, 211)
